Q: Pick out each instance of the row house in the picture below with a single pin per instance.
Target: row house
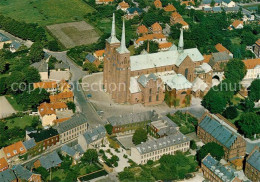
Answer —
(177, 18)
(62, 97)
(253, 68)
(257, 48)
(51, 160)
(49, 86)
(159, 38)
(211, 130)
(75, 152)
(100, 55)
(127, 124)
(44, 140)
(72, 128)
(220, 48)
(123, 6)
(252, 169)
(216, 172)
(155, 149)
(12, 152)
(3, 164)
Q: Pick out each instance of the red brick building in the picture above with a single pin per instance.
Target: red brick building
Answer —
(252, 169)
(144, 78)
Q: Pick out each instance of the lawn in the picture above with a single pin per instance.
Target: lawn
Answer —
(13, 102)
(45, 12)
(236, 40)
(20, 122)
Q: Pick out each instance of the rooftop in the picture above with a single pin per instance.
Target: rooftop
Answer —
(90, 58)
(41, 66)
(14, 149)
(50, 160)
(3, 163)
(221, 48)
(169, 8)
(22, 173)
(62, 95)
(177, 81)
(95, 134)
(100, 53)
(254, 159)
(165, 126)
(7, 176)
(45, 85)
(199, 84)
(43, 134)
(3, 38)
(29, 144)
(252, 63)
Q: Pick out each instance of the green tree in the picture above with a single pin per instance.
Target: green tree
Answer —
(90, 67)
(16, 82)
(3, 88)
(247, 105)
(212, 4)
(254, 90)
(139, 136)
(249, 124)
(53, 45)
(109, 128)
(71, 106)
(90, 156)
(213, 148)
(43, 172)
(193, 145)
(235, 70)
(31, 75)
(36, 53)
(230, 112)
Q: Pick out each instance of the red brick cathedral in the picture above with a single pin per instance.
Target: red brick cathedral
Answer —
(173, 75)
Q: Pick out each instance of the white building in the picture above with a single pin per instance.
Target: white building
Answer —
(253, 68)
(228, 3)
(155, 149)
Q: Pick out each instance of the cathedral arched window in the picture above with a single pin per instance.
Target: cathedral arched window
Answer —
(186, 72)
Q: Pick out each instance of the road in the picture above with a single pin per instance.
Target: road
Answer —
(81, 101)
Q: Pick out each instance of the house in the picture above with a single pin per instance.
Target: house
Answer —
(4, 40)
(72, 128)
(8, 176)
(231, 9)
(159, 38)
(29, 144)
(24, 174)
(188, 2)
(248, 17)
(100, 55)
(49, 86)
(132, 12)
(12, 152)
(158, 4)
(14, 46)
(221, 48)
(237, 24)
(142, 30)
(177, 18)
(207, 58)
(60, 72)
(257, 48)
(62, 97)
(51, 160)
(3, 164)
(217, 9)
(42, 67)
(75, 152)
(213, 170)
(228, 3)
(252, 169)
(92, 59)
(44, 139)
(94, 138)
(64, 86)
(162, 127)
(155, 149)
(219, 60)
(165, 46)
(104, 1)
(127, 124)
(253, 68)
(169, 8)
(211, 130)
(123, 6)
(156, 28)
(207, 3)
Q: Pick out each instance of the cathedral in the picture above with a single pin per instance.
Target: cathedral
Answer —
(152, 78)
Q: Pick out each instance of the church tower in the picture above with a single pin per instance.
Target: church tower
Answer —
(122, 71)
(112, 43)
(181, 42)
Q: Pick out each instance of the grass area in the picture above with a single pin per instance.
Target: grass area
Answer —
(13, 102)
(20, 122)
(3, 75)
(45, 12)
(236, 100)
(236, 40)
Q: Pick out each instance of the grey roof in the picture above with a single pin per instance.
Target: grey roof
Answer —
(132, 10)
(50, 160)
(165, 126)
(231, 9)
(41, 66)
(79, 149)
(254, 159)
(176, 81)
(75, 121)
(3, 38)
(46, 56)
(16, 45)
(22, 173)
(226, 1)
(204, 68)
(132, 118)
(218, 131)
(167, 141)
(61, 65)
(221, 171)
(209, 1)
(90, 58)
(216, 9)
(95, 134)
(29, 144)
(219, 56)
(207, 9)
(7, 176)
(143, 80)
(68, 150)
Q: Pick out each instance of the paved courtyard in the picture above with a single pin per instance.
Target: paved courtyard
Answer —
(6, 108)
(93, 85)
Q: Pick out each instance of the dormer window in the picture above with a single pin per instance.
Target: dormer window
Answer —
(8, 154)
(15, 151)
(21, 149)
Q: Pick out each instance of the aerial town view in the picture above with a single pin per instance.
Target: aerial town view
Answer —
(129, 90)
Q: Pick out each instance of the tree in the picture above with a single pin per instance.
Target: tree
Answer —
(53, 45)
(254, 90)
(90, 156)
(235, 70)
(3, 86)
(212, 4)
(16, 82)
(213, 148)
(31, 75)
(153, 47)
(71, 106)
(193, 145)
(139, 136)
(249, 124)
(247, 105)
(90, 67)
(214, 101)
(36, 53)
(230, 112)
(43, 172)
(109, 128)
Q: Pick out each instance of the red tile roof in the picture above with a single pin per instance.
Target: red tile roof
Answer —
(150, 37)
(3, 164)
(62, 95)
(157, 3)
(14, 149)
(221, 48)
(45, 85)
(207, 58)
(258, 42)
(156, 27)
(169, 8)
(100, 53)
(142, 29)
(123, 4)
(251, 63)
(165, 45)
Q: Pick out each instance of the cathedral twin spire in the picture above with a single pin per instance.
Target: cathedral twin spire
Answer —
(112, 39)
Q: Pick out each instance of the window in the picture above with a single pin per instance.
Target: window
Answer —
(8, 154)
(150, 91)
(157, 97)
(186, 72)
(21, 149)
(15, 151)
(150, 98)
